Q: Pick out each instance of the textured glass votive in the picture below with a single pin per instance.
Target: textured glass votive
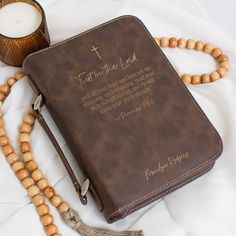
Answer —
(23, 30)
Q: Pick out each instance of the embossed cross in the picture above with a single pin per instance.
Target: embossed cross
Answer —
(95, 49)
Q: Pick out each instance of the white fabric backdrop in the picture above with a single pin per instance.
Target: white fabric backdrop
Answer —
(221, 13)
(205, 207)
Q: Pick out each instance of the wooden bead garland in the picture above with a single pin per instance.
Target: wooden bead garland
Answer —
(190, 44)
(27, 170)
(22, 170)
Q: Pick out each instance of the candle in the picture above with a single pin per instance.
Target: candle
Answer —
(23, 30)
(19, 19)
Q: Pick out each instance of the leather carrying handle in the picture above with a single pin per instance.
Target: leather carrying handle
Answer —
(73, 178)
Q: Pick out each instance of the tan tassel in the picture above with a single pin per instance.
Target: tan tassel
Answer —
(73, 219)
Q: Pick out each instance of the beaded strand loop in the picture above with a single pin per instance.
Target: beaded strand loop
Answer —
(32, 183)
(221, 58)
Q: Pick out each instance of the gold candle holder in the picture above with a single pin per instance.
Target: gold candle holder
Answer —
(13, 50)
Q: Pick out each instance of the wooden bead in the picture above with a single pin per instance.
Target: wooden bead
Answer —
(5, 89)
(19, 75)
(216, 52)
(43, 183)
(49, 192)
(186, 79)
(2, 131)
(11, 81)
(205, 78)
(28, 156)
(22, 174)
(164, 42)
(37, 175)
(7, 150)
(12, 158)
(223, 58)
(190, 44)
(199, 45)
(4, 140)
(51, 230)
(157, 40)
(47, 219)
(56, 200)
(222, 71)
(2, 96)
(173, 42)
(1, 122)
(32, 166)
(214, 76)
(208, 48)
(38, 200)
(27, 182)
(43, 209)
(25, 147)
(29, 119)
(182, 43)
(225, 65)
(33, 191)
(25, 128)
(24, 137)
(17, 166)
(63, 207)
(196, 79)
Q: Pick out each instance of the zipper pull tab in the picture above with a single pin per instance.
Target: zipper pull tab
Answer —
(85, 187)
(38, 103)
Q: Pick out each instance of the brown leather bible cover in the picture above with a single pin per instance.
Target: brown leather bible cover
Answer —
(132, 125)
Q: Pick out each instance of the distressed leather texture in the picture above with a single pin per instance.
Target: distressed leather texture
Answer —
(135, 130)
